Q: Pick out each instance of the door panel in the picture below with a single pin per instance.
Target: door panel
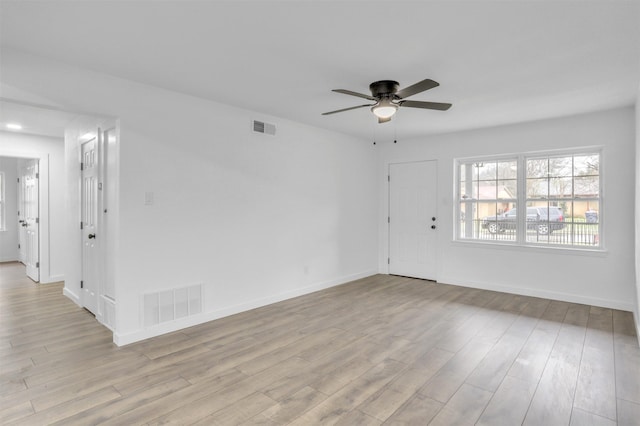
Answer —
(412, 230)
(22, 230)
(89, 192)
(29, 215)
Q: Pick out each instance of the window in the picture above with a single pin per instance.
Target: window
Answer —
(2, 202)
(532, 199)
(488, 190)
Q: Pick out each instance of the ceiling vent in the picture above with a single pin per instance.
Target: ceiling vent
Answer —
(262, 127)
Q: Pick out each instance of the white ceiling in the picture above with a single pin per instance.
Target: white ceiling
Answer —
(498, 62)
(35, 120)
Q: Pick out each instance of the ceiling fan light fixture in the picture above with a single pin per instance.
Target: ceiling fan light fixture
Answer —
(384, 109)
(388, 98)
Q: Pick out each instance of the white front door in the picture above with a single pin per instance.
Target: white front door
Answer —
(89, 200)
(413, 219)
(29, 213)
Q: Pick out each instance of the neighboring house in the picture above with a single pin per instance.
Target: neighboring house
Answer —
(486, 192)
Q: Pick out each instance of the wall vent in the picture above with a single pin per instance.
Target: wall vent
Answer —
(262, 127)
(171, 305)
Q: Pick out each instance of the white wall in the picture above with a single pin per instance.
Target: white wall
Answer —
(637, 214)
(253, 218)
(50, 151)
(602, 279)
(9, 236)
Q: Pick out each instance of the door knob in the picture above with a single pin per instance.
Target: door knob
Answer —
(25, 224)
(433, 227)
(91, 236)
(433, 218)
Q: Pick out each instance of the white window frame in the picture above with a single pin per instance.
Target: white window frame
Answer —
(522, 199)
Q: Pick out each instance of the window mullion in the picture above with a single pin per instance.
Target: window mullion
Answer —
(521, 199)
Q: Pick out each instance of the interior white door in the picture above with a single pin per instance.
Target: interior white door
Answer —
(22, 230)
(413, 219)
(89, 216)
(30, 218)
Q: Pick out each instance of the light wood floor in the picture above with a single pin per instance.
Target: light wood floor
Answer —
(381, 350)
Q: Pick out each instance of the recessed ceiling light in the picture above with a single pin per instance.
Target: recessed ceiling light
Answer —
(13, 126)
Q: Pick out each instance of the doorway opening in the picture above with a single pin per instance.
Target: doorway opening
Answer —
(54, 138)
(20, 213)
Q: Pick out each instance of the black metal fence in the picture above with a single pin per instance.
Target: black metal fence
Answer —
(569, 233)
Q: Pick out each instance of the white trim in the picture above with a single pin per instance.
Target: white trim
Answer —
(529, 248)
(541, 153)
(53, 279)
(71, 295)
(122, 339)
(43, 205)
(545, 294)
(3, 202)
(387, 266)
(74, 133)
(521, 199)
(9, 259)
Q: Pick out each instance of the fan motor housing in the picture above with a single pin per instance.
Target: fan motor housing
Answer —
(383, 87)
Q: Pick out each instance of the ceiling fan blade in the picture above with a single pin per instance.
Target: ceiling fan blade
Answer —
(421, 86)
(425, 105)
(383, 120)
(349, 92)
(347, 109)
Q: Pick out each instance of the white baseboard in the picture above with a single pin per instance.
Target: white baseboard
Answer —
(52, 279)
(9, 259)
(122, 339)
(545, 294)
(71, 295)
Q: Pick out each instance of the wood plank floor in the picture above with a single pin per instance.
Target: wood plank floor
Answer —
(381, 350)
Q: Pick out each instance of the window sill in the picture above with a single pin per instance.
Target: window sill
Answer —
(531, 248)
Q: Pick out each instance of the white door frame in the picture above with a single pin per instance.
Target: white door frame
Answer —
(433, 224)
(43, 202)
(104, 307)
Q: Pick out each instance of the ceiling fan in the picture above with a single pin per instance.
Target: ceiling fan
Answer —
(388, 98)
